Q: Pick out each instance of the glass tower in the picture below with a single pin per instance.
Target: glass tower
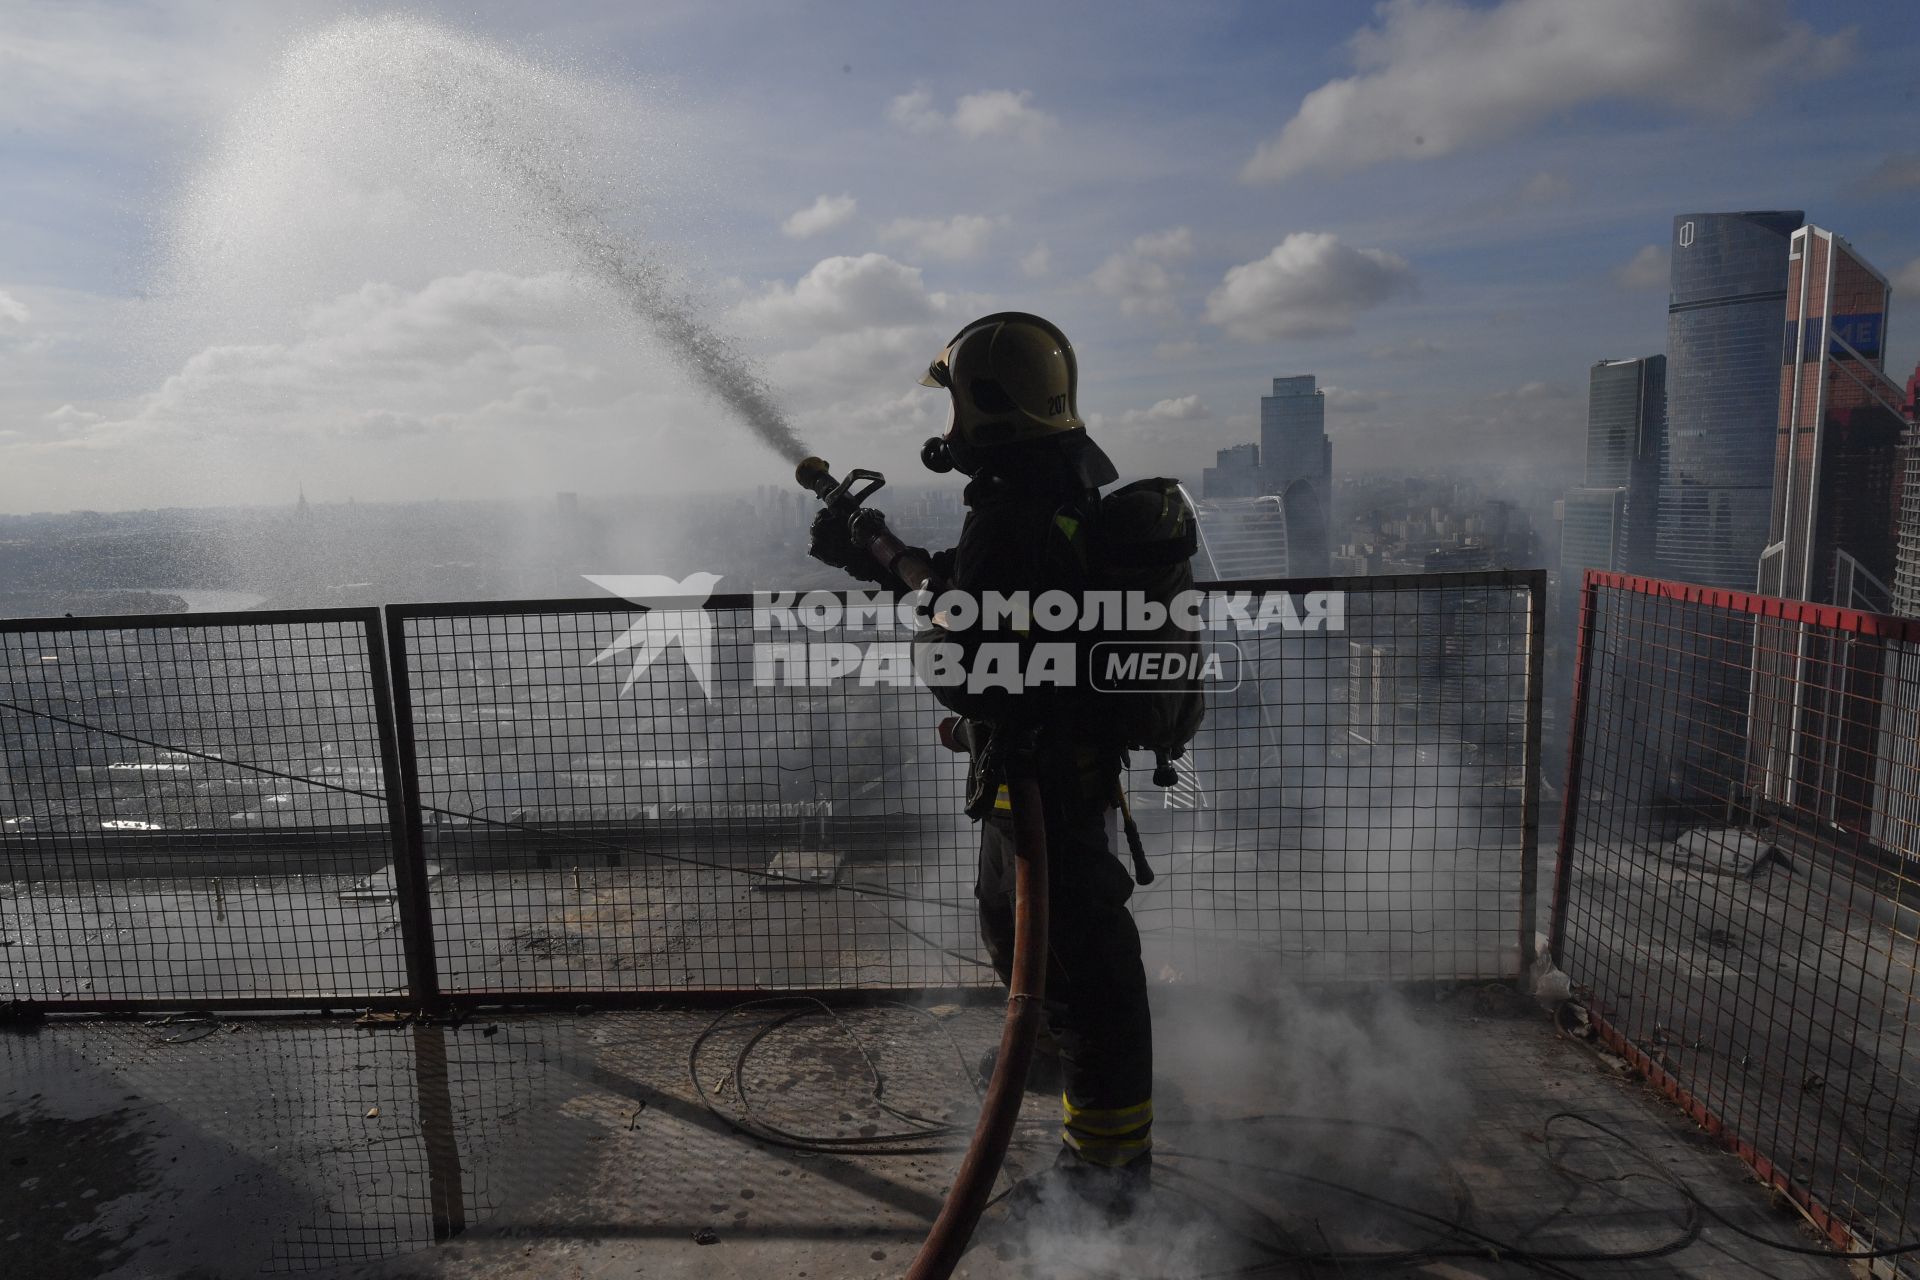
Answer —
(1832, 539)
(1235, 473)
(1590, 533)
(1608, 522)
(1837, 451)
(1906, 582)
(1723, 393)
(1297, 460)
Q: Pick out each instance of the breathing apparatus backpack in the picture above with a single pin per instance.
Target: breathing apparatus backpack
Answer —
(1146, 693)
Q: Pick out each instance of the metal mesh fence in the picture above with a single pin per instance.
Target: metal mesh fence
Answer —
(1358, 804)
(1735, 878)
(194, 810)
(590, 826)
(206, 810)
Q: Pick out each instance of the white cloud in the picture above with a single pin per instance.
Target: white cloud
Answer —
(1650, 268)
(824, 214)
(1176, 350)
(1037, 262)
(1174, 409)
(12, 310)
(915, 112)
(1144, 277)
(1438, 76)
(1907, 280)
(1529, 392)
(1000, 113)
(481, 382)
(1310, 285)
(70, 418)
(990, 113)
(1348, 400)
(1187, 408)
(957, 238)
(840, 372)
(839, 295)
(450, 349)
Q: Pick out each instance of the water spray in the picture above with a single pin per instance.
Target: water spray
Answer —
(477, 155)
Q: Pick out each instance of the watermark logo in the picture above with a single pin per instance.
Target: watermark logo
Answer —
(676, 614)
(1108, 641)
(1134, 666)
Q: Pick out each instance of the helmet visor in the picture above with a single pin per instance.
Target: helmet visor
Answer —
(938, 373)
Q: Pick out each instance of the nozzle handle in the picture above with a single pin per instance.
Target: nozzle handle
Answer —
(840, 495)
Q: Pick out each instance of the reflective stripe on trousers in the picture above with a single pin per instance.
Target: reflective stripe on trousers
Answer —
(1109, 1136)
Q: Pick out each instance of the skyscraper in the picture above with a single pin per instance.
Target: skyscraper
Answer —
(1241, 539)
(1591, 529)
(1836, 475)
(1897, 759)
(1723, 393)
(1235, 473)
(1906, 583)
(1610, 520)
(1297, 460)
(1832, 536)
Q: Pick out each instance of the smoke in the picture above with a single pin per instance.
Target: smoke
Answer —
(1350, 824)
(1292, 1123)
(387, 143)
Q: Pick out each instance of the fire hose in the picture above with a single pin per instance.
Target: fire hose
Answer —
(1000, 1110)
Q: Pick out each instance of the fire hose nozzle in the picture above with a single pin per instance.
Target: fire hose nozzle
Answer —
(866, 526)
(814, 476)
(842, 496)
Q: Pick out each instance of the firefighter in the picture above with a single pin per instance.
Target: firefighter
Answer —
(1034, 476)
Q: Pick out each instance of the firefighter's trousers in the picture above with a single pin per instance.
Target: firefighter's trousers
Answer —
(1096, 997)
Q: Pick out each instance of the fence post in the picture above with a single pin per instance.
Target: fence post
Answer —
(1576, 749)
(394, 702)
(1530, 781)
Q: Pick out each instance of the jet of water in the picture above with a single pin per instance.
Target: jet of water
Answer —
(497, 135)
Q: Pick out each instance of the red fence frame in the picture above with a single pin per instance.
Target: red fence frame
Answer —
(1646, 900)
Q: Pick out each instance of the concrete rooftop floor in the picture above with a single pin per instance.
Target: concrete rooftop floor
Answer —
(1292, 1127)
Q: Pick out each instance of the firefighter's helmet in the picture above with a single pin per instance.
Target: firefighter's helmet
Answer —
(1013, 378)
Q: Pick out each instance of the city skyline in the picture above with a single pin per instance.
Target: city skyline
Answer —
(842, 190)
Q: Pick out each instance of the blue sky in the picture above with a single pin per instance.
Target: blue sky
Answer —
(235, 259)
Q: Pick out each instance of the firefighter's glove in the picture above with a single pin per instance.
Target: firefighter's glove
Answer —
(829, 542)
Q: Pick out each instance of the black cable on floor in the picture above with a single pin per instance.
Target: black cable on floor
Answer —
(1458, 1239)
(1702, 1207)
(927, 1137)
